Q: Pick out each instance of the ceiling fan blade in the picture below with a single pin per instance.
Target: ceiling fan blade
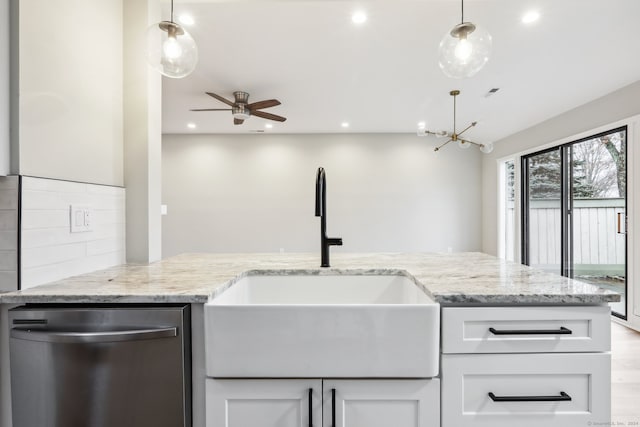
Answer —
(221, 99)
(211, 109)
(238, 121)
(268, 116)
(263, 104)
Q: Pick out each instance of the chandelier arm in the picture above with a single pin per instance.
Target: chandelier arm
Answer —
(471, 142)
(438, 148)
(468, 127)
(441, 133)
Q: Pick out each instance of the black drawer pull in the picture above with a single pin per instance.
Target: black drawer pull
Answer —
(333, 407)
(561, 331)
(310, 407)
(564, 397)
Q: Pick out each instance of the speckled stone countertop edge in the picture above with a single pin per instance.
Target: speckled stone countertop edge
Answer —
(449, 279)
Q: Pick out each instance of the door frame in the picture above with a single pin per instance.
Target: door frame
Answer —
(633, 204)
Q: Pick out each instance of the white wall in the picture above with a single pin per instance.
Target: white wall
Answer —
(4, 88)
(49, 251)
(602, 111)
(70, 89)
(255, 193)
(142, 135)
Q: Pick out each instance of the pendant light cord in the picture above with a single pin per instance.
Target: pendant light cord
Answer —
(171, 10)
(461, 20)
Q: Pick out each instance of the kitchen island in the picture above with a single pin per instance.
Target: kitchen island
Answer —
(476, 292)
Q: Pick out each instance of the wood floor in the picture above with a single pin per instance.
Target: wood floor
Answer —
(625, 376)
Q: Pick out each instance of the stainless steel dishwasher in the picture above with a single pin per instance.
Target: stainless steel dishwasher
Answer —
(93, 366)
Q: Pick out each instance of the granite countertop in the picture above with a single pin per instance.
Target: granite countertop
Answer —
(456, 278)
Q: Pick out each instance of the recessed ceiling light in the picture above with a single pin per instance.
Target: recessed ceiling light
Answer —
(186, 20)
(422, 125)
(268, 125)
(345, 124)
(359, 17)
(530, 17)
(191, 125)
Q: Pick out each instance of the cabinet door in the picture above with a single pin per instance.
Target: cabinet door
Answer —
(264, 403)
(381, 403)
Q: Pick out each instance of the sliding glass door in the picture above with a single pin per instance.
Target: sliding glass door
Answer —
(574, 211)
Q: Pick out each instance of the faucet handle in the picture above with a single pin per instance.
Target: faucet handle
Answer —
(334, 241)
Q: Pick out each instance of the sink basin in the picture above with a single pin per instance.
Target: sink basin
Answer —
(336, 326)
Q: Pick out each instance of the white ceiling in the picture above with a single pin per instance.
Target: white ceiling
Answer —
(383, 76)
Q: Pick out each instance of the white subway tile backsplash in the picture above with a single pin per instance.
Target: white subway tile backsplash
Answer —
(105, 246)
(8, 281)
(44, 219)
(8, 240)
(8, 260)
(53, 272)
(9, 233)
(55, 254)
(49, 250)
(8, 199)
(9, 220)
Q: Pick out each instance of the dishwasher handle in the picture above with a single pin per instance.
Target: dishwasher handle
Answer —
(92, 337)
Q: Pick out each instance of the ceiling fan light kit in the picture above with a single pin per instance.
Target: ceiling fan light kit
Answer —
(464, 50)
(170, 49)
(456, 136)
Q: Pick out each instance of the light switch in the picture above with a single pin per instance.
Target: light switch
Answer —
(81, 218)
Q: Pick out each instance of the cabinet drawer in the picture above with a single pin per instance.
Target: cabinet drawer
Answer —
(525, 329)
(467, 380)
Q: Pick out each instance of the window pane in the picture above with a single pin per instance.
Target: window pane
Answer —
(509, 214)
(598, 189)
(544, 220)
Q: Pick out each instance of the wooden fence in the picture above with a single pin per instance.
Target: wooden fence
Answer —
(596, 241)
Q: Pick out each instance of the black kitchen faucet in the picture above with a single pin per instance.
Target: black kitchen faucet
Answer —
(321, 211)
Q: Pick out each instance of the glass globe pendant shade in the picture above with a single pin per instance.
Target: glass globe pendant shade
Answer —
(171, 50)
(486, 148)
(463, 145)
(464, 50)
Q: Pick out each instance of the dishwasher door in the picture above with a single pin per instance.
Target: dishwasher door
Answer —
(100, 366)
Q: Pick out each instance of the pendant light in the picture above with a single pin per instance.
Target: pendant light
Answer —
(170, 49)
(464, 50)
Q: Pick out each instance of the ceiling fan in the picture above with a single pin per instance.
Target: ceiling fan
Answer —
(457, 136)
(242, 110)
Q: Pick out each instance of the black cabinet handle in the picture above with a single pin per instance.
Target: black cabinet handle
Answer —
(561, 331)
(310, 407)
(333, 407)
(563, 397)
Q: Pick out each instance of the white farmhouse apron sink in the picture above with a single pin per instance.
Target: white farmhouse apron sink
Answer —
(322, 326)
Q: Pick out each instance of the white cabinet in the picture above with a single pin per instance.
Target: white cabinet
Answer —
(525, 366)
(264, 403)
(381, 403)
(323, 403)
(526, 329)
(527, 390)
